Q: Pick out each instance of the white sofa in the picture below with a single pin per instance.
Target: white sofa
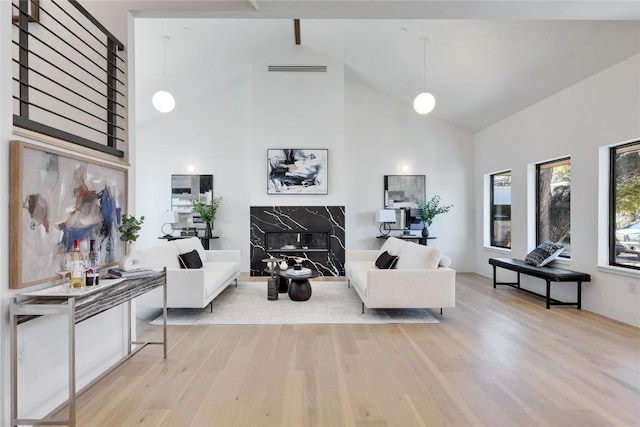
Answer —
(189, 288)
(421, 277)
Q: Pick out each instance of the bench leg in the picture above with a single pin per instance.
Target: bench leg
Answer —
(494, 276)
(579, 295)
(548, 294)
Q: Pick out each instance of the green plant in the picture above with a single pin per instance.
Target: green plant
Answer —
(429, 209)
(207, 211)
(130, 228)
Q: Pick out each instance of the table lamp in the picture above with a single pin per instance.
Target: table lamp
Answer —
(385, 217)
(168, 218)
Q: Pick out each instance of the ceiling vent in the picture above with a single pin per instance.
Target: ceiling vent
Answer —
(298, 68)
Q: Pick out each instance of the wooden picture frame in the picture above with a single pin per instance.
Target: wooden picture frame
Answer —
(54, 198)
(299, 171)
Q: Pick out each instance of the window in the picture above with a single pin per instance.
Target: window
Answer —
(500, 184)
(624, 205)
(553, 190)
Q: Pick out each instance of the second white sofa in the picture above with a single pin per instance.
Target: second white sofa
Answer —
(421, 277)
(189, 288)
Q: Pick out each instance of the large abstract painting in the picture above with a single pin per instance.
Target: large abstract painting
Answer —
(297, 171)
(55, 198)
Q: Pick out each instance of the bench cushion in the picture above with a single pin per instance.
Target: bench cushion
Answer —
(546, 272)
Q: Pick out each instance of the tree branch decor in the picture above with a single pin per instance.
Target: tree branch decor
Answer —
(207, 211)
(429, 209)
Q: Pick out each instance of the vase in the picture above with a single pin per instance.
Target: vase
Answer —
(425, 232)
(208, 231)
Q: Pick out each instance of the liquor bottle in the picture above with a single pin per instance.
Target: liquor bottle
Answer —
(77, 266)
(93, 265)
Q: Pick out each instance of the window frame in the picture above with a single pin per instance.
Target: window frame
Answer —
(538, 167)
(492, 239)
(611, 235)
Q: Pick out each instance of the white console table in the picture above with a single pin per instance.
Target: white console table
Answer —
(79, 306)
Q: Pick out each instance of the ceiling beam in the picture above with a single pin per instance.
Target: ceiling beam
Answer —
(296, 29)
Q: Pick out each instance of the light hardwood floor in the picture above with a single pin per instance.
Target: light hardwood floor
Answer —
(498, 359)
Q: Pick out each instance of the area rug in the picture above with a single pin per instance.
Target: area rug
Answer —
(331, 302)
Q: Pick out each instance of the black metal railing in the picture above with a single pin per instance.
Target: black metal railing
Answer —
(69, 81)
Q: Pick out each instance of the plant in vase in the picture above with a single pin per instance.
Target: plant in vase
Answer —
(129, 230)
(428, 210)
(207, 212)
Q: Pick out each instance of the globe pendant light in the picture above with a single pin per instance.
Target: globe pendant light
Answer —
(424, 103)
(162, 100)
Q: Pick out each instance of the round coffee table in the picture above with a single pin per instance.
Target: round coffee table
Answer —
(299, 288)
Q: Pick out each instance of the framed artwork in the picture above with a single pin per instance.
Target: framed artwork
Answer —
(55, 198)
(297, 171)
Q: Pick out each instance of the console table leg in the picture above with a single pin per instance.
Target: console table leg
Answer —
(72, 362)
(494, 276)
(14, 367)
(164, 313)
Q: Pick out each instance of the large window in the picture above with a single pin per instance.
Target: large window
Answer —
(553, 189)
(501, 209)
(624, 248)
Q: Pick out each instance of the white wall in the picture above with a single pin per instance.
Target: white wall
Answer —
(382, 135)
(601, 110)
(227, 133)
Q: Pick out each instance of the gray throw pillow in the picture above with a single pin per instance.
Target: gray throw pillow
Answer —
(544, 254)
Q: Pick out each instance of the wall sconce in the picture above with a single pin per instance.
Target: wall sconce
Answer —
(385, 217)
(191, 168)
(404, 168)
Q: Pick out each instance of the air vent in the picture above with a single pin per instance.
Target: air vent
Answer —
(299, 68)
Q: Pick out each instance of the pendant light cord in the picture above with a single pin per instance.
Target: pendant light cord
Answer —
(164, 62)
(424, 63)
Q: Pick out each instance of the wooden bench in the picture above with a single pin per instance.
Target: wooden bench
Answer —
(549, 274)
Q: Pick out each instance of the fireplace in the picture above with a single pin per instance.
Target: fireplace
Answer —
(314, 234)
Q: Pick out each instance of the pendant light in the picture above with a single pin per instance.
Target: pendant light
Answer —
(162, 100)
(424, 103)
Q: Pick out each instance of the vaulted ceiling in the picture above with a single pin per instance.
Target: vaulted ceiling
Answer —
(484, 62)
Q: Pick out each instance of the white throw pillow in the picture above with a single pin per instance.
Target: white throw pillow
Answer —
(445, 261)
(392, 245)
(187, 245)
(413, 256)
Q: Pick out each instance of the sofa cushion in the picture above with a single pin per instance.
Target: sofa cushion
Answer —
(544, 254)
(159, 256)
(187, 245)
(414, 256)
(386, 261)
(392, 245)
(190, 260)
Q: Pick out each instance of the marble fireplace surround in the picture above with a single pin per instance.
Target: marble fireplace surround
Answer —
(314, 233)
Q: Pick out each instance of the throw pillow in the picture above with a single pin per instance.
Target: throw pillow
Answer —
(386, 261)
(544, 254)
(413, 256)
(190, 260)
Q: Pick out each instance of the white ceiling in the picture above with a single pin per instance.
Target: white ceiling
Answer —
(480, 70)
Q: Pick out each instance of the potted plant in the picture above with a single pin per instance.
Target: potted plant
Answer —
(428, 210)
(207, 212)
(129, 230)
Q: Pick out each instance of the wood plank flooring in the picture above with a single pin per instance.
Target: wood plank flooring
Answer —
(498, 359)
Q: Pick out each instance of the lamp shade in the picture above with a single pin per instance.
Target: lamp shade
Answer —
(163, 101)
(386, 215)
(424, 103)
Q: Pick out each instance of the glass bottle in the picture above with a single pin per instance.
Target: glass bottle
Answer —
(93, 265)
(77, 266)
